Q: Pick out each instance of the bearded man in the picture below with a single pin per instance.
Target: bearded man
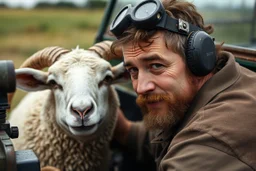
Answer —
(198, 104)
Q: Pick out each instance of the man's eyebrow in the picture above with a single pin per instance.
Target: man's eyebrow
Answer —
(146, 59)
(152, 58)
(126, 64)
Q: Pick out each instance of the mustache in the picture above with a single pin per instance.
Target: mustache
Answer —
(150, 98)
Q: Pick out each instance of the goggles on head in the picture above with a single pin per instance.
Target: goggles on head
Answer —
(148, 15)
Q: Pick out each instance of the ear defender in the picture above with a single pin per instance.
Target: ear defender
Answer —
(200, 53)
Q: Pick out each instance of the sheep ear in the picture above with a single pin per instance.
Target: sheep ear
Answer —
(28, 79)
(120, 74)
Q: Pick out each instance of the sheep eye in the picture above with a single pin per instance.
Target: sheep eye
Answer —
(54, 85)
(52, 82)
(107, 80)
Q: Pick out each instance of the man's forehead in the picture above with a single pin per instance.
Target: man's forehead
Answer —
(142, 45)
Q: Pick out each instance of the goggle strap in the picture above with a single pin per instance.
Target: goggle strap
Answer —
(171, 24)
(174, 25)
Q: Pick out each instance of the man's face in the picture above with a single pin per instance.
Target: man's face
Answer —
(160, 78)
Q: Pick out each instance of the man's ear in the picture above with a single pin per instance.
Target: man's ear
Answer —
(120, 74)
(29, 79)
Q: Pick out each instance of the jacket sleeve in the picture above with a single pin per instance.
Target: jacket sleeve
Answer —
(199, 153)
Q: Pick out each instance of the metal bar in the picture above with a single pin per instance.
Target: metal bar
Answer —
(253, 39)
(241, 52)
(105, 21)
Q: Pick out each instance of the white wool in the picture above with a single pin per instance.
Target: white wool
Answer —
(38, 131)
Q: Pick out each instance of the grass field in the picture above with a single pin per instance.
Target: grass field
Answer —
(23, 32)
(231, 26)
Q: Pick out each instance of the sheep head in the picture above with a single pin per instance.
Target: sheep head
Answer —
(81, 83)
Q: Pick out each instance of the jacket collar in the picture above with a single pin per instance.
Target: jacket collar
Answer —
(215, 85)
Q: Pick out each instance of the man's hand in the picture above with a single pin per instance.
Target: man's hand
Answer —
(122, 129)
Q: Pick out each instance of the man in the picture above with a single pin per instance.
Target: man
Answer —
(198, 104)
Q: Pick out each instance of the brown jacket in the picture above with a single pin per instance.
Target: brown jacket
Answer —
(218, 132)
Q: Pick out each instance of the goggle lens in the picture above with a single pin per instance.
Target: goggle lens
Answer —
(120, 16)
(149, 14)
(145, 10)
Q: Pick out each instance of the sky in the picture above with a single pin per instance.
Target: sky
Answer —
(32, 3)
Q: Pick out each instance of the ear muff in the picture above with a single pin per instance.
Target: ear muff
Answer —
(200, 53)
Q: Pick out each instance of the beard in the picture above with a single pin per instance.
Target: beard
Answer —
(167, 116)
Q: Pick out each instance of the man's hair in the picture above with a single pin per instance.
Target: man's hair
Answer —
(173, 41)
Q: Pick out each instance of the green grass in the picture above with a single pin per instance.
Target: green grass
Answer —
(235, 34)
(25, 31)
(225, 13)
(231, 33)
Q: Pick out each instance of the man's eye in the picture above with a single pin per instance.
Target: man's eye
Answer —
(132, 70)
(156, 66)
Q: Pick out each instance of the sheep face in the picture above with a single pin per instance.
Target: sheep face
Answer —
(80, 82)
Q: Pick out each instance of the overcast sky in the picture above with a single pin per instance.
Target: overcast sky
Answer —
(31, 3)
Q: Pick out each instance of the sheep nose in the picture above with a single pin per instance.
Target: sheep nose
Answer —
(81, 111)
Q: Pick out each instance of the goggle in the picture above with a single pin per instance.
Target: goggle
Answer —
(148, 15)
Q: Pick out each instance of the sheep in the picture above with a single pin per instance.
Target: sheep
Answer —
(69, 114)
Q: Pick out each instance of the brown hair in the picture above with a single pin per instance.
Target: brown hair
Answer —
(175, 42)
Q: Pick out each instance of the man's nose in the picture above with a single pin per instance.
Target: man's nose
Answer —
(145, 84)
